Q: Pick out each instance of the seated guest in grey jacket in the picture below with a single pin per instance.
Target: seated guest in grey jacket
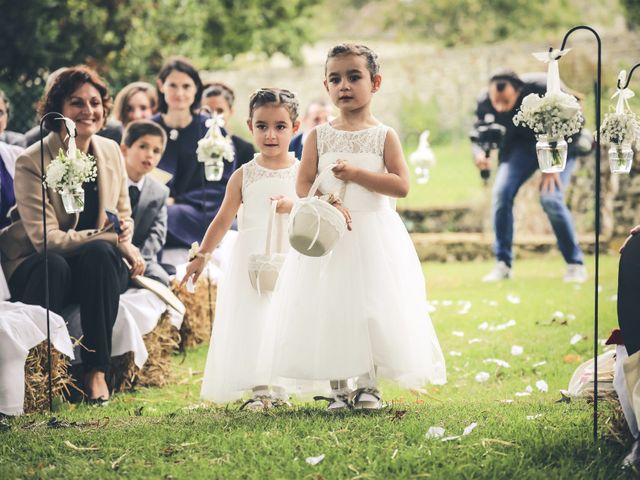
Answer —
(142, 145)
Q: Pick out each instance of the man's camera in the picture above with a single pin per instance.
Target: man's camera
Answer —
(488, 135)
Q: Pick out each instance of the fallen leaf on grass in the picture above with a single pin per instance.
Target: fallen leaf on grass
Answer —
(397, 415)
(115, 465)
(314, 460)
(80, 449)
(572, 358)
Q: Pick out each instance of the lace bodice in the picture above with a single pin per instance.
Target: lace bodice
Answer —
(363, 148)
(259, 184)
(370, 140)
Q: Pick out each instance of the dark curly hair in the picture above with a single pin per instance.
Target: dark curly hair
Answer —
(359, 50)
(63, 87)
(184, 65)
(278, 97)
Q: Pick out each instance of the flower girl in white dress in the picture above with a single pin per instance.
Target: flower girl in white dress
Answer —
(241, 348)
(360, 312)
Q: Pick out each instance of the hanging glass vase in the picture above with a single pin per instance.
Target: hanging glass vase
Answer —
(620, 157)
(213, 169)
(73, 199)
(552, 154)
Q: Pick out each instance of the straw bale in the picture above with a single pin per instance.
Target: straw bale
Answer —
(36, 385)
(200, 307)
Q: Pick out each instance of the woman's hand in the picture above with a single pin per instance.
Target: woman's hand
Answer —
(634, 231)
(345, 171)
(134, 257)
(284, 204)
(171, 201)
(126, 232)
(194, 269)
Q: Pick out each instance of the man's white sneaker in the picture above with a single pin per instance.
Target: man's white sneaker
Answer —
(500, 272)
(576, 273)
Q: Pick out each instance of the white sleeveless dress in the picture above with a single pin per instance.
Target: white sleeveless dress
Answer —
(362, 308)
(241, 349)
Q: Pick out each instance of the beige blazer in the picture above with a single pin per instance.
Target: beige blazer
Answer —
(24, 237)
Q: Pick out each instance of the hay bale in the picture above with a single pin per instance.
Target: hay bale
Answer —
(36, 384)
(198, 318)
(161, 343)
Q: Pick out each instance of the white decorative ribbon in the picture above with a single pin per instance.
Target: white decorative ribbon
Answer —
(623, 94)
(553, 73)
(215, 120)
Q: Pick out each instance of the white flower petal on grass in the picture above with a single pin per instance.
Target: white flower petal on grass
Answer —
(599, 288)
(314, 460)
(571, 316)
(517, 350)
(448, 439)
(453, 353)
(493, 303)
(469, 428)
(430, 308)
(466, 306)
(498, 362)
(483, 326)
(539, 364)
(575, 339)
(613, 298)
(513, 299)
(457, 333)
(542, 386)
(482, 377)
(533, 417)
(508, 400)
(557, 314)
(447, 303)
(474, 340)
(435, 432)
(496, 328)
(526, 393)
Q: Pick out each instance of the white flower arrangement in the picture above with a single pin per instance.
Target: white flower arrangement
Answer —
(70, 169)
(214, 145)
(556, 115)
(619, 128)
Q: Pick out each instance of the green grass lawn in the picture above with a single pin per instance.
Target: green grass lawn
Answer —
(453, 180)
(169, 433)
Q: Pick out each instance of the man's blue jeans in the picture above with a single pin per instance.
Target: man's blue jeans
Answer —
(520, 165)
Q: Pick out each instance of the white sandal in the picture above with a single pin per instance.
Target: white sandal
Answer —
(366, 399)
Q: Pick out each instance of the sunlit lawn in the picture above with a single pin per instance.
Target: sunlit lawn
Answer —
(169, 433)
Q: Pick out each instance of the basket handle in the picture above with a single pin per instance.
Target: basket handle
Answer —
(319, 178)
(272, 215)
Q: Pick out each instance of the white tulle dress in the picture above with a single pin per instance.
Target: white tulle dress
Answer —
(241, 349)
(362, 308)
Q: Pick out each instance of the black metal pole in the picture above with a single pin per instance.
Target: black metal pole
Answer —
(598, 86)
(626, 84)
(44, 249)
